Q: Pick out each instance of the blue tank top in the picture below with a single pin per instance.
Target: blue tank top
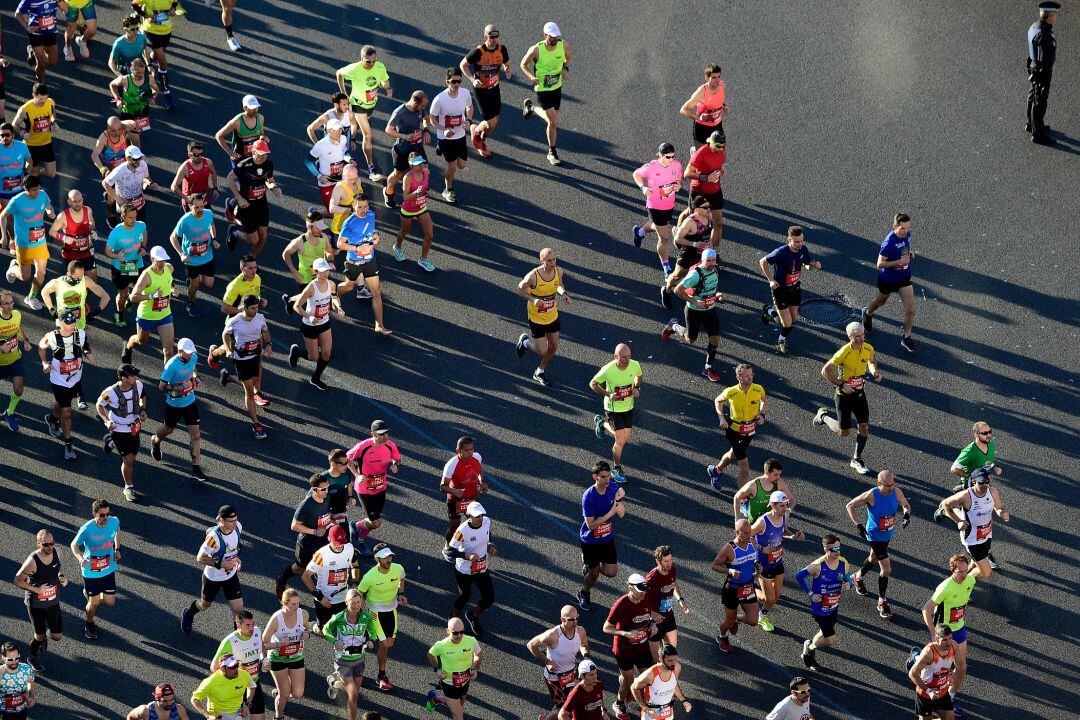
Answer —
(828, 584)
(174, 714)
(894, 248)
(770, 541)
(744, 563)
(881, 517)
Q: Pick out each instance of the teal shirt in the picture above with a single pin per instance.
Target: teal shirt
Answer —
(28, 215)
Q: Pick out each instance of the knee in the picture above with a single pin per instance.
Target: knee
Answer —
(57, 636)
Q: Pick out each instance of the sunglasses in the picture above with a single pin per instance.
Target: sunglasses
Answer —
(321, 489)
(45, 545)
(17, 658)
(704, 207)
(195, 154)
(803, 692)
(985, 432)
(340, 462)
(493, 34)
(457, 632)
(102, 516)
(573, 619)
(455, 82)
(6, 135)
(834, 549)
(668, 157)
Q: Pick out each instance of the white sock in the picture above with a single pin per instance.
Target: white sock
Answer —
(831, 422)
(678, 329)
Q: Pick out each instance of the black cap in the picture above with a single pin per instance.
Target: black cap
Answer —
(379, 426)
(250, 300)
(1049, 7)
(314, 214)
(69, 317)
(665, 149)
(980, 475)
(717, 137)
(127, 370)
(226, 511)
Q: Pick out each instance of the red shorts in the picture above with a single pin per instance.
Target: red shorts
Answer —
(326, 191)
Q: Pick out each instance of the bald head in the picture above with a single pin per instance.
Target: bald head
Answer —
(455, 625)
(885, 476)
(568, 611)
(622, 350)
(113, 123)
(742, 524)
(74, 196)
(350, 172)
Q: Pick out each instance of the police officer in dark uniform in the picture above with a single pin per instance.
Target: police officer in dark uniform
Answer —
(1042, 49)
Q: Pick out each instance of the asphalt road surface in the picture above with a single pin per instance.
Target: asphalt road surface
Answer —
(841, 115)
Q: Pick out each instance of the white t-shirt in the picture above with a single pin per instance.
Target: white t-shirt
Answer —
(329, 158)
(210, 547)
(67, 372)
(117, 401)
(448, 113)
(247, 334)
(128, 184)
(470, 540)
(332, 571)
(786, 709)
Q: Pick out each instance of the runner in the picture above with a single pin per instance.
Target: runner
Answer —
(706, 107)
(341, 201)
(227, 7)
(196, 175)
(341, 491)
(481, 68)
(656, 694)
(471, 550)
(228, 692)
(195, 241)
(122, 407)
(456, 659)
(705, 169)
(219, 555)
(157, 25)
(247, 338)
(600, 503)
(327, 158)
(133, 94)
(365, 78)
(754, 498)
(311, 522)
(973, 512)
(660, 180)
(314, 306)
(785, 277)
(351, 631)
(620, 383)
(358, 240)
(383, 587)
(741, 409)
(542, 287)
(414, 190)
(40, 19)
(331, 572)
(980, 453)
(40, 578)
(463, 482)
(246, 646)
(71, 291)
(27, 212)
(124, 184)
(340, 111)
(153, 292)
(665, 592)
(948, 606)
(96, 548)
(547, 66)
(370, 460)
(108, 153)
(179, 380)
(557, 648)
(75, 231)
(67, 348)
(894, 276)
(692, 232)
(881, 504)
(163, 706)
(408, 125)
(846, 369)
(308, 248)
(11, 364)
(249, 205)
(15, 165)
(246, 283)
(796, 706)
(17, 684)
(450, 117)
(632, 623)
(125, 248)
(700, 290)
(129, 45)
(824, 580)
(932, 674)
(585, 701)
(737, 560)
(287, 630)
(769, 531)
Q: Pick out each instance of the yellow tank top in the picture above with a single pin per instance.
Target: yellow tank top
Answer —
(339, 218)
(9, 338)
(160, 292)
(73, 297)
(545, 291)
(38, 123)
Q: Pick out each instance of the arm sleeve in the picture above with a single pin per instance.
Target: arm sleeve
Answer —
(801, 577)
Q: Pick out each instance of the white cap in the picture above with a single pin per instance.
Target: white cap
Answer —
(320, 264)
(475, 509)
(384, 553)
(159, 253)
(186, 345)
(334, 124)
(230, 661)
(250, 101)
(778, 496)
(552, 29)
(636, 580)
(133, 151)
(585, 666)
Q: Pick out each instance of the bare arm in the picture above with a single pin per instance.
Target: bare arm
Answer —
(222, 135)
(689, 108)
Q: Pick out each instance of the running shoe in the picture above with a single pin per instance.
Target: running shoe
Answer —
(483, 149)
(129, 493)
(69, 452)
(542, 378)
(766, 318)
(522, 344)
(260, 432)
(584, 600)
(477, 142)
(13, 272)
(553, 157)
(957, 711)
(639, 235)
(31, 58)
(223, 376)
(867, 320)
(669, 328)
(859, 466)
(260, 399)
(939, 514)
(445, 552)
(198, 474)
(119, 320)
(449, 195)
(766, 624)
(388, 199)
(33, 303)
(211, 359)
(782, 347)
(165, 100)
(180, 11)
(288, 305)
(384, 682)
(907, 343)
(725, 644)
(362, 293)
(912, 658)
(318, 384)
(35, 662)
(619, 711)
(597, 421)
(69, 54)
(294, 355)
(125, 354)
(155, 449)
(618, 476)
(709, 375)
(883, 609)
(399, 253)
(84, 49)
(821, 413)
(192, 311)
(10, 421)
(90, 631)
(993, 562)
(373, 173)
(665, 296)
(809, 656)
(526, 105)
(426, 264)
(233, 44)
(187, 619)
(716, 478)
(54, 425)
(860, 584)
(230, 211)
(474, 624)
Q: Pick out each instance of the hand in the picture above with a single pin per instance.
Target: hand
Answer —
(110, 425)
(117, 553)
(26, 346)
(724, 424)
(800, 535)
(63, 581)
(714, 176)
(268, 351)
(814, 597)
(620, 494)
(734, 574)
(45, 367)
(351, 502)
(472, 557)
(773, 284)
(440, 674)
(761, 420)
(816, 265)
(905, 521)
(325, 602)
(184, 258)
(646, 190)
(322, 179)
(476, 83)
(637, 393)
(687, 706)
(684, 606)
(1005, 515)
(846, 389)
(877, 377)
(243, 203)
(845, 586)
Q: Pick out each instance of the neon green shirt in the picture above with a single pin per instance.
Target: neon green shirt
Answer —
(224, 695)
(380, 589)
(160, 292)
(620, 382)
(365, 82)
(953, 598)
(455, 657)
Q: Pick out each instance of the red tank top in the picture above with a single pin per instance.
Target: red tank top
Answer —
(75, 243)
(418, 203)
(195, 180)
(709, 110)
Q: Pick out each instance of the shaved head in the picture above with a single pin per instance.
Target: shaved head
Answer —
(455, 624)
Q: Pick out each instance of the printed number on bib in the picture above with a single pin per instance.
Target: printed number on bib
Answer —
(322, 310)
(129, 267)
(665, 713)
(249, 348)
(14, 703)
(793, 278)
(371, 95)
(138, 201)
(69, 367)
(376, 483)
(747, 428)
(602, 530)
(452, 121)
(11, 183)
(46, 22)
(545, 305)
(774, 555)
(142, 124)
(956, 614)
(479, 566)
(624, 391)
(414, 138)
(97, 564)
(336, 168)
(289, 650)
(41, 124)
(199, 248)
(983, 531)
(746, 592)
(365, 250)
(462, 678)
(886, 522)
(252, 668)
(550, 80)
(136, 427)
(10, 344)
(160, 18)
(830, 601)
(707, 301)
(461, 505)
(856, 383)
(337, 577)
(668, 190)
(37, 233)
(256, 192)
(161, 303)
(76, 243)
(47, 593)
(709, 117)
(566, 679)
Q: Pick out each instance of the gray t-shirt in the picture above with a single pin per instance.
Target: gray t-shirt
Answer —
(410, 124)
(313, 513)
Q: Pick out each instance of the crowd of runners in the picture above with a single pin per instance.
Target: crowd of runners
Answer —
(324, 594)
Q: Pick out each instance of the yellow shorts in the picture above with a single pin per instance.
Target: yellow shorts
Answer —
(25, 256)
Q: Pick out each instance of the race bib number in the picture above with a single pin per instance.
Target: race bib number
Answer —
(15, 703)
(47, 593)
(710, 117)
(161, 303)
(371, 95)
(668, 190)
(136, 427)
(792, 278)
(602, 530)
(461, 505)
(665, 713)
(46, 22)
(70, 367)
(746, 592)
(983, 531)
(249, 348)
(138, 201)
(479, 566)
(9, 344)
(11, 183)
(77, 243)
(747, 428)
(414, 138)
(184, 388)
(289, 650)
(324, 520)
(41, 124)
(160, 18)
(99, 563)
(856, 383)
(322, 310)
(830, 601)
(550, 80)
(887, 522)
(37, 233)
(375, 483)
(256, 192)
(252, 668)
(545, 306)
(566, 679)
(707, 301)
(77, 309)
(336, 168)
(624, 391)
(142, 124)
(199, 248)
(337, 577)
(774, 555)
(460, 679)
(421, 200)
(452, 121)
(365, 250)
(129, 267)
(956, 614)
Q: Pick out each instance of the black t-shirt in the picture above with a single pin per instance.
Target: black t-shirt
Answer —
(252, 178)
(313, 513)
